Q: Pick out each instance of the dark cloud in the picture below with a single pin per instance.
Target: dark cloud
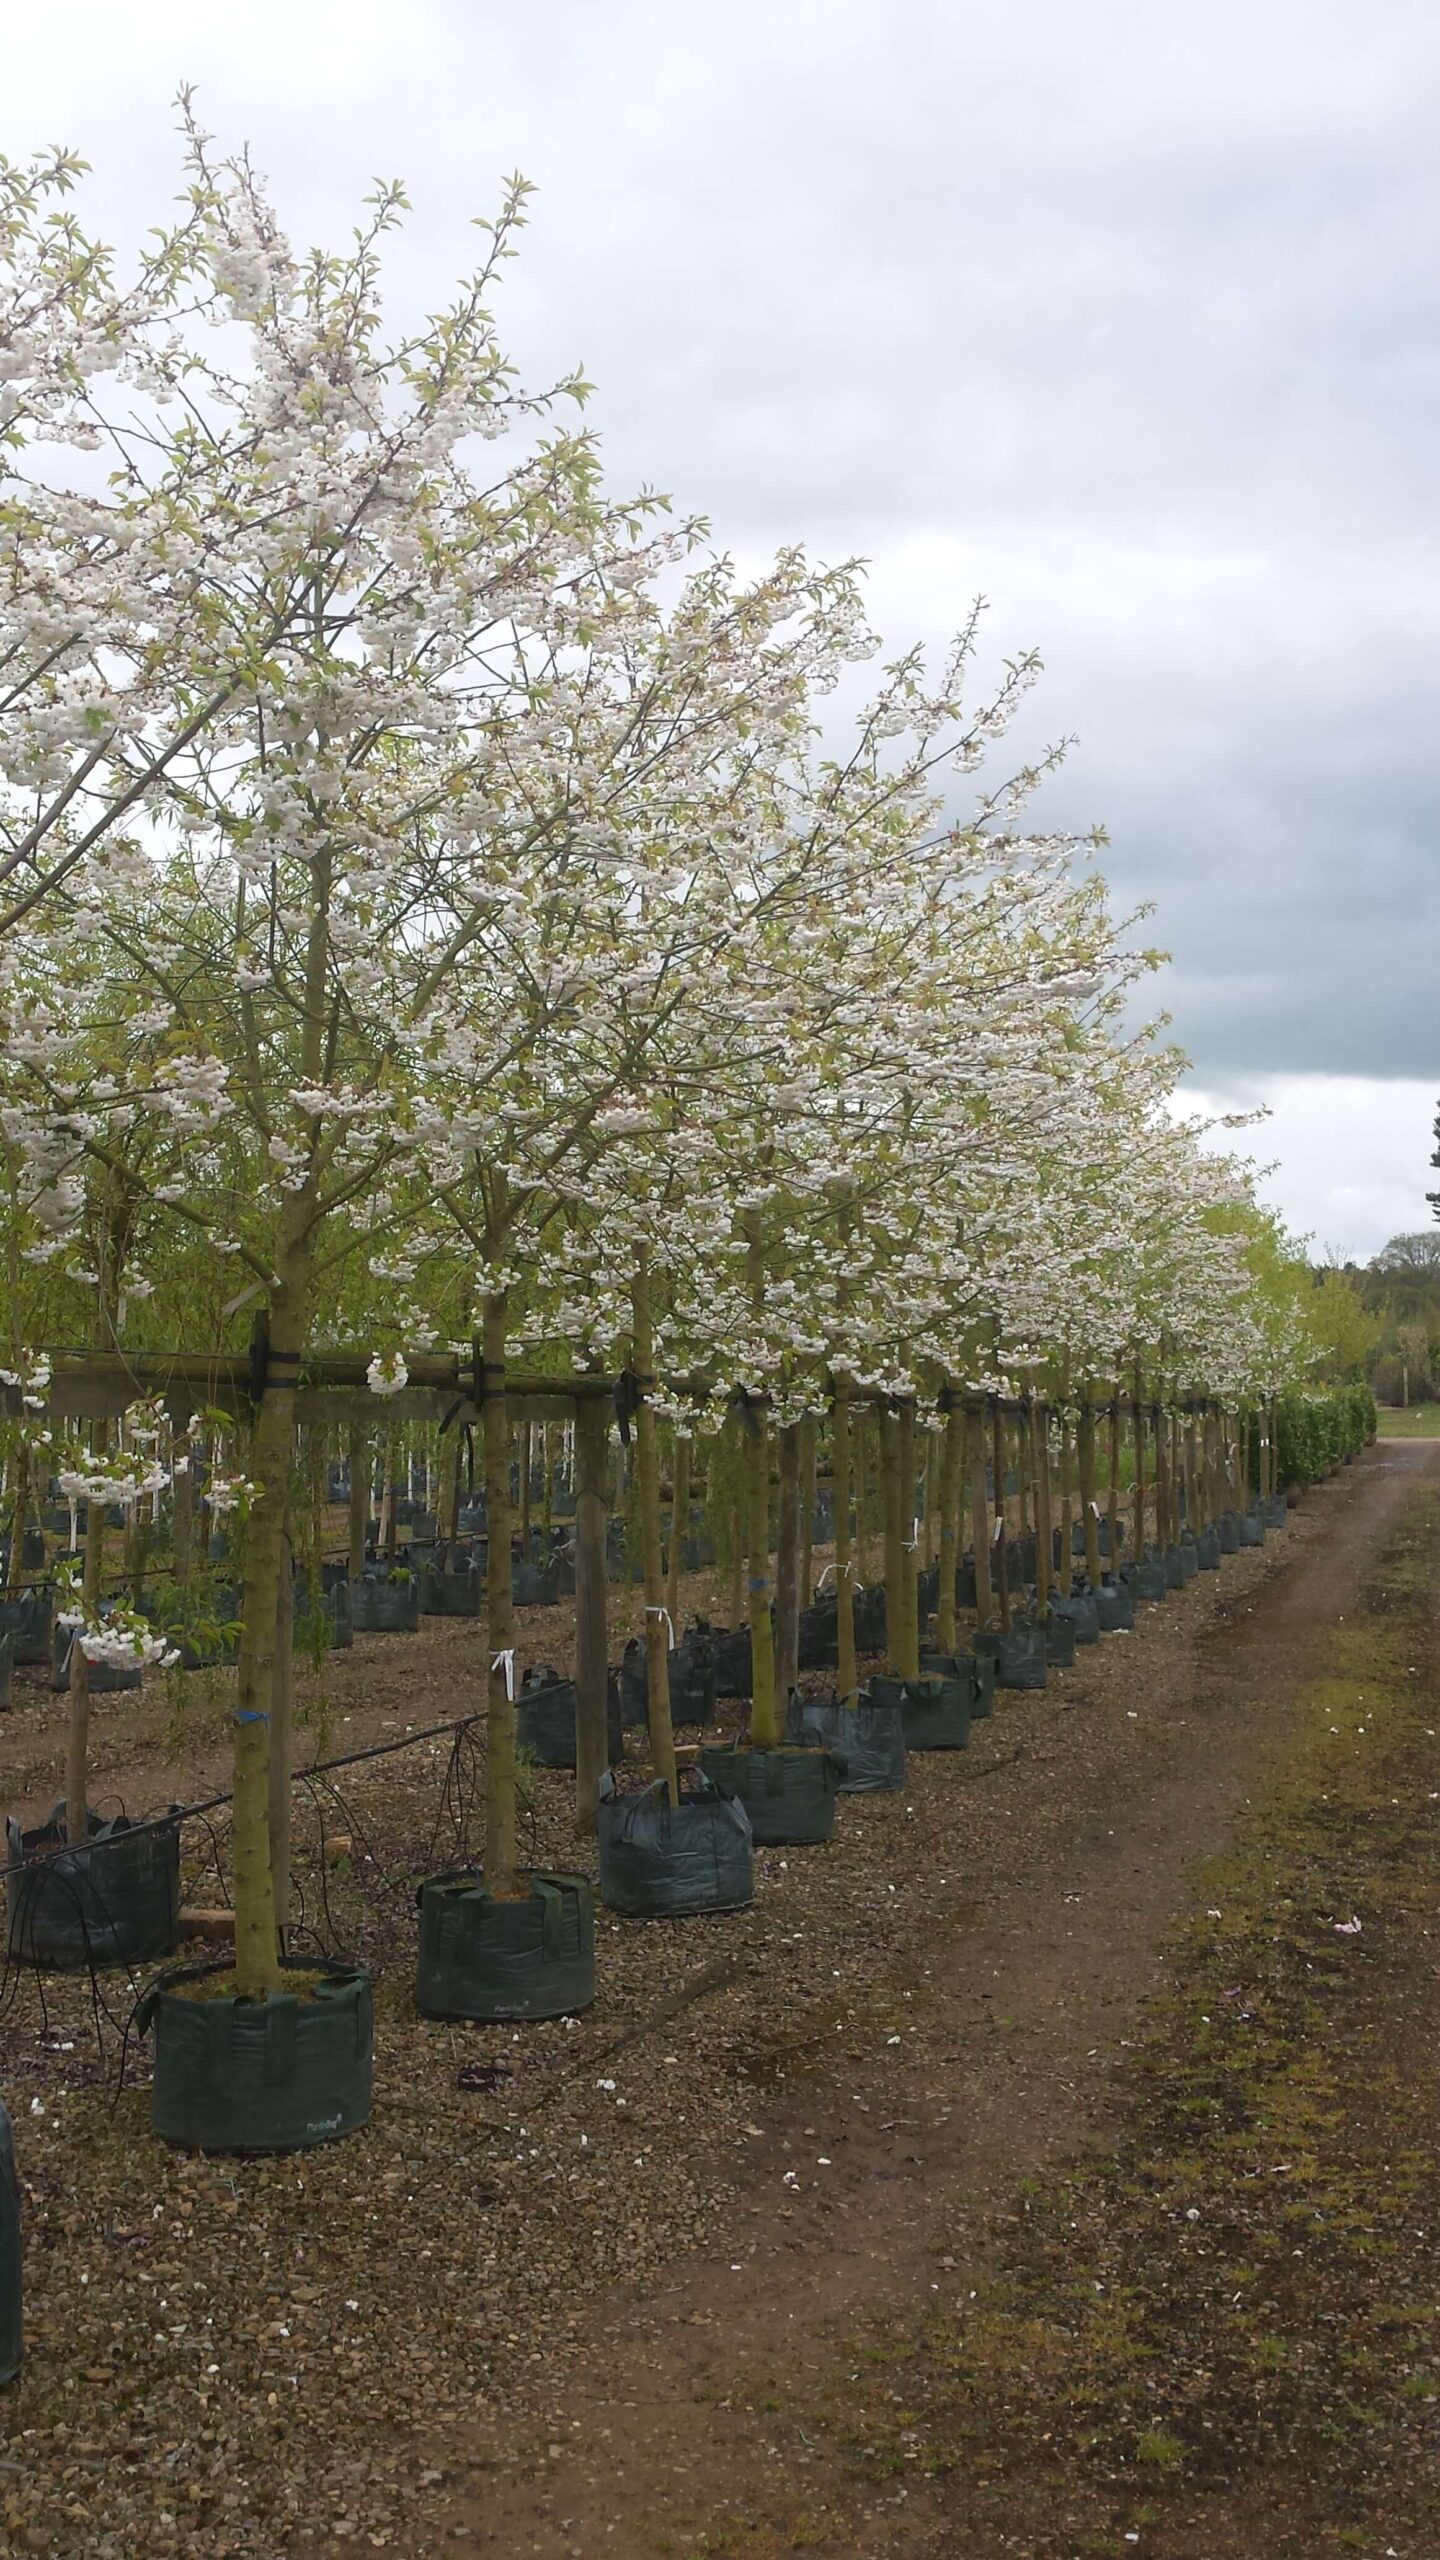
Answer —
(1123, 314)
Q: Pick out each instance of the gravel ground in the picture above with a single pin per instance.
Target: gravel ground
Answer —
(237, 2357)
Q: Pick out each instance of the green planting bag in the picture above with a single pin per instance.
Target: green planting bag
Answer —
(260, 2075)
(533, 1957)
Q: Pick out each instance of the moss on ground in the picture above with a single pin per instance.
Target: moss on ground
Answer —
(1235, 2317)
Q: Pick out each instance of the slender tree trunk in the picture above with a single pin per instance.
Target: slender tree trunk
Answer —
(500, 1719)
(592, 1739)
(1137, 1427)
(892, 1490)
(808, 1473)
(764, 1718)
(1067, 1542)
(359, 1501)
(1112, 1515)
(1044, 1548)
(860, 1443)
(77, 1743)
(739, 1548)
(951, 1477)
(787, 1563)
(647, 1458)
(847, 1675)
(909, 1544)
(1085, 1455)
(679, 1522)
(1000, 1552)
(282, 1737)
(980, 1523)
(526, 1455)
(1162, 1481)
(257, 1957)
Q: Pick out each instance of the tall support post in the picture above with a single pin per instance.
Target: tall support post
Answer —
(909, 1652)
(647, 1456)
(500, 1719)
(359, 1501)
(1040, 1463)
(679, 1522)
(592, 1675)
(787, 1562)
(282, 1737)
(847, 1671)
(809, 1473)
(896, 1524)
(1000, 1549)
(1137, 1428)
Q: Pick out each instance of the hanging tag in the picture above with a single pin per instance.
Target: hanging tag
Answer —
(652, 1612)
(74, 1533)
(998, 1532)
(506, 1662)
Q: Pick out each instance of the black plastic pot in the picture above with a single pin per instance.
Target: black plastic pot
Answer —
(1114, 1608)
(1189, 1555)
(660, 1861)
(383, 1608)
(115, 1900)
(283, 2074)
(868, 1738)
(1082, 1613)
(1227, 1529)
(1018, 1655)
(529, 1958)
(545, 1713)
(471, 1520)
(103, 1675)
(734, 1662)
(789, 1793)
(1252, 1529)
(28, 1618)
(1207, 1550)
(424, 1529)
(694, 1686)
(446, 1594)
(11, 2335)
(869, 1608)
(1273, 1510)
(934, 1710)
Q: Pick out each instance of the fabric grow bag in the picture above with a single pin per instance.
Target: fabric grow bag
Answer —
(281, 2074)
(1059, 1641)
(1252, 1529)
(693, 1682)
(659, 1860)
(1227, 1530)
(867, 1737)
(1145, 1580)
(1273, 1510)
(734, 1660)
(28, 1619)
(471, 1519)
(1114, 1608)
(1189, 1555)
(818, 1635)
(1207, 1550)
(383, 1609)
(11, 2335)
(529, 1958)
(115, 1900)
(1082, 1613)
(976, 1669)
(533, 1586)
(103, 1675)
(447, 1594)
(545, 1718)
(788, 1791)
(934, 1710)
(1018, 1655)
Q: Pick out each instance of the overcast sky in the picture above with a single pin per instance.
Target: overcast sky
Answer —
(1121, 314)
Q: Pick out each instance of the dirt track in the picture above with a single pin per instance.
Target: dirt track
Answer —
(679, 2428)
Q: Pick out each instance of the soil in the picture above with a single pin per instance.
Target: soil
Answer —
(772, 2251)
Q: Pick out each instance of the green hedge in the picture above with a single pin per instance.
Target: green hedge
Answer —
(1314, 1432)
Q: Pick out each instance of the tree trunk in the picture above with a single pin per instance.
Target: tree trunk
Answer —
(764, 1719)
(647, 1459)
(847, 1676)
(1044, 1542)
(359, 1502)
(859, 1438)
(257, 1958)
(592, 1674)
(909, 1544)
(282, 1734)
(1162, 1482)
(951, 1477)
(787, 1563)
(1085, 1465)
(679, 1522)
(980, 1524)
(500, 1723)
(1113, 1505)
(808, 1472)
(1137, 1427)
(896, 1524)
(1000, 1550)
